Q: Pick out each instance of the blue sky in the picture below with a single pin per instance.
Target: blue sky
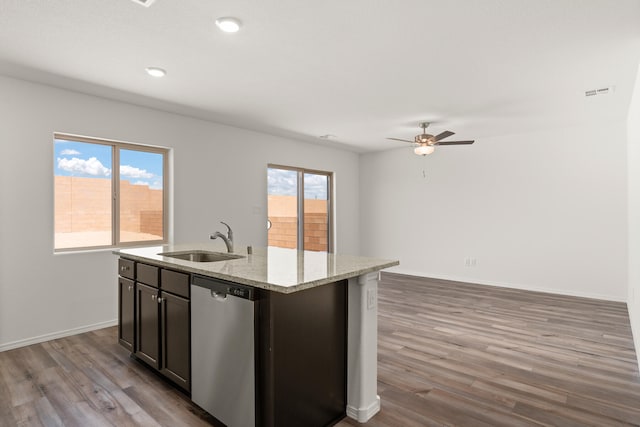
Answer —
(284, 182)
(94, 160)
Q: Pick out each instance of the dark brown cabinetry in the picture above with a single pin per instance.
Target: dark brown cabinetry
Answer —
(154, 314)
(147, 319)
(126, 313)
(126, 303)
(148, 325)
(127, 268)
(174, 339)
(302, 356)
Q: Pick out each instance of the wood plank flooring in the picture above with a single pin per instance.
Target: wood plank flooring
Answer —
(454, 354)
(88, 380)
(450, 354)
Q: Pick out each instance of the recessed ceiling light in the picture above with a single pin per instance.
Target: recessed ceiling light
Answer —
(145, 3)
(327, 136)
(228, 24)
(155, 71)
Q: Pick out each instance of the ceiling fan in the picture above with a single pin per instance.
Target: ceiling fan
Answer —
(425, 143)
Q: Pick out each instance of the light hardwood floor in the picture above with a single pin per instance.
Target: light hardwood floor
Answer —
(450, 354)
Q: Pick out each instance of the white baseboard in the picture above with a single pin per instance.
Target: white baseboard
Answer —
(362, 415)
(508, 285)
(54, 335)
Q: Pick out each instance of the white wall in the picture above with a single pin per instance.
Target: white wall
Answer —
(219, 174)
(543, 211)
(633, 135)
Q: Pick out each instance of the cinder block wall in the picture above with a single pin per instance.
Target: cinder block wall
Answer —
(84, 204)
(315, 230)
(283, 217)
(140, 209)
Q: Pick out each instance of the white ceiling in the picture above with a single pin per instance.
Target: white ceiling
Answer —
(362, 70)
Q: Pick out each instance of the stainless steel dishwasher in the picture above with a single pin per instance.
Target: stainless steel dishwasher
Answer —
(222, 350)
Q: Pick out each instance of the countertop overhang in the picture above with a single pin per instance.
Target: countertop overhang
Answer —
(271, 268)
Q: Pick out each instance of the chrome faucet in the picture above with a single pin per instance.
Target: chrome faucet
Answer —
(228, 239)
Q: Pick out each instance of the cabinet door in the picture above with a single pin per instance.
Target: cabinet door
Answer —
(126, 313)
(147, 324)
(175, 336)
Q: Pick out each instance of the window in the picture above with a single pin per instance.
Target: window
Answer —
(108, 193)
(299, 208)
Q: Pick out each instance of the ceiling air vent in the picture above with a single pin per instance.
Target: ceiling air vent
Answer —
(145, 3)
(600, 91)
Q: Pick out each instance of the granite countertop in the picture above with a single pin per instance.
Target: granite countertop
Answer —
(274, 269)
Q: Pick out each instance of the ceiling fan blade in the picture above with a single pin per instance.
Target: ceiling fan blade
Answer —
(454, 142)
(403, 140)
(443, 135)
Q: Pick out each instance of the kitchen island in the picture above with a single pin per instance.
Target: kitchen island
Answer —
(314, 328)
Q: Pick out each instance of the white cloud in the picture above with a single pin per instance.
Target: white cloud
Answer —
(132, 172)
(93, 166)
(315, 186)
(69, 152)
(282, 182)
(141, 183)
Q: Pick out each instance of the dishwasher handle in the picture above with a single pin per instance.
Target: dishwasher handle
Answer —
(218, 296)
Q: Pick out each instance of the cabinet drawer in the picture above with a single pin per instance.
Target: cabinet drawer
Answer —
(148, 274)
(127, 268)
(174, 282)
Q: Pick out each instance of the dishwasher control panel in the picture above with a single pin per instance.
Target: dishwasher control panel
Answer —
(222, 287)
(240, 292)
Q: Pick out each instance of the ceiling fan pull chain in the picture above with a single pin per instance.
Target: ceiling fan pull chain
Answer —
(424, 167)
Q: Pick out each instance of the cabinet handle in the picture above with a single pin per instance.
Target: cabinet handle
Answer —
(130, 287)
(153, 297)
(159, 300)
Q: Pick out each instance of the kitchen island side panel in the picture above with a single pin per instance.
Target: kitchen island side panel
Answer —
(303, 361)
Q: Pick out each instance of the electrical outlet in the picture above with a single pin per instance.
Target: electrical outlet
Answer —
(371, 298)
(467, 262)
(473, 262)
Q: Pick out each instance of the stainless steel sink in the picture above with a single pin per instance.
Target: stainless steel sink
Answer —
(201, 256)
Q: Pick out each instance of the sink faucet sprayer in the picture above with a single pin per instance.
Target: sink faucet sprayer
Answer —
(228, 239)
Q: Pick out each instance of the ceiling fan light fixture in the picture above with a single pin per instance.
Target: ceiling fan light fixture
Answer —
(423, 138)
(424, 149)
(425, 143)
(228, 24)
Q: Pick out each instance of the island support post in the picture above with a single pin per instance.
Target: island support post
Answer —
(363, 401)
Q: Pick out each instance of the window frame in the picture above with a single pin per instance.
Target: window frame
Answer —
(300, 196)
(115, 191)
